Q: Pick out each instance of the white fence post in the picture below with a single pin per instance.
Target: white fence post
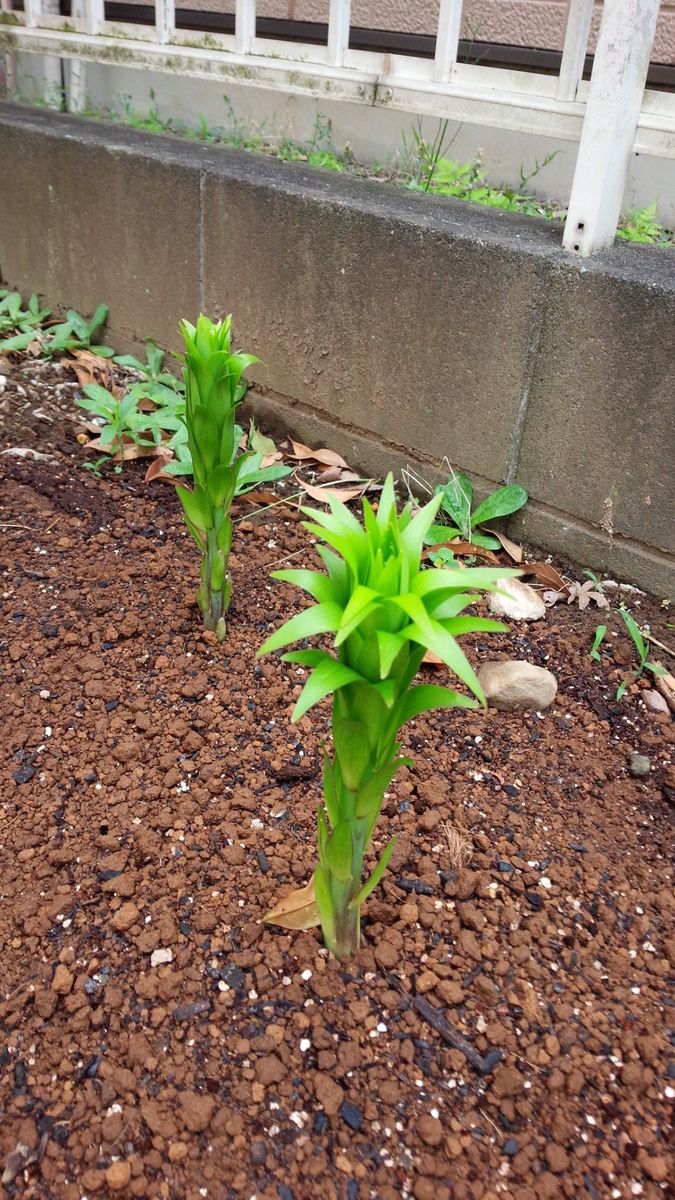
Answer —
(32, 10)
(94, 12)
(579, 16)
(612, 110)
(10, 57)
(339, 22)
(165, 20)
(447, 39)
(244, 26)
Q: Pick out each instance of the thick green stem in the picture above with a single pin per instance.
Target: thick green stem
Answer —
(345, 936)
(216, 587)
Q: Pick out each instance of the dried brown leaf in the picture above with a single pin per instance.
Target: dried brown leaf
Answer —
(345, 494)
(91, 368)
(513, 550)
(328, 458)
(297, 910)
(547, 574)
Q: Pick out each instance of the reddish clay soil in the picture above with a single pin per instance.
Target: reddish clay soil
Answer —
(154, 796)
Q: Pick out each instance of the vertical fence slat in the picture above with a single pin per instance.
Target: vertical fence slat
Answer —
(244, 29)
(32, 10)
(447, 39)
(165, 20)
(579, 15)
(339, 21)
(613, 107)
(10, 58)
(94, 12)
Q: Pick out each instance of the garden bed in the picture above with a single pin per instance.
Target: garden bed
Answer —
(156, 798)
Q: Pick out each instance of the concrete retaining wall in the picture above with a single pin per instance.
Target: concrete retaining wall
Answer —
(394, 327)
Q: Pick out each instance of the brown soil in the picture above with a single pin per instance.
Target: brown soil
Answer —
(156, 797)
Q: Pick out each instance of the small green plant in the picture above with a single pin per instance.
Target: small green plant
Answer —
(20, 321)
(642, 225)
(456, 498)
(641, 643)
(597, 642)
(384, 612)
(213, 389)
(75, 333)
(152, 370)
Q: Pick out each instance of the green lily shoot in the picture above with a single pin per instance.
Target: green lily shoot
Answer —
(213, 388)
(384, 612)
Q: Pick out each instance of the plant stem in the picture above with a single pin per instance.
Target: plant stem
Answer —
(214, 594)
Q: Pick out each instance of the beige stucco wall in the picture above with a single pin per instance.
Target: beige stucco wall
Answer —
(538, 23)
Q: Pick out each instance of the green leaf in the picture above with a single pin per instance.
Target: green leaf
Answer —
(372, 882)
(339, 851)
(78, 325)
(502, 503)
(314, 582)
(323, 618)
(329, 792)
(324, 903)
(371, 793)
(352, 752)
(204, 430)
(19, 342)
(329, 676)
(196, 507)
(457, 495)
(429, 633)
(389, 646)
(220, 486)
(258, 442)
(427, 696)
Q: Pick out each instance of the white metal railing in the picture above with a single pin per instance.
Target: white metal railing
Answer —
(610, 117)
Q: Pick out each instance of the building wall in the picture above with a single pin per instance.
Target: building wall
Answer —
(536, 23)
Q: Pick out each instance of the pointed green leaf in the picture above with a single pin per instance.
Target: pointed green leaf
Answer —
(371, 883)
(339, 851)
(196, 507)
(320, 586)
(502, 503)
(427, 696)
(321, 618)
(352, 752)
(389, 646)
(328, 677)
(324, 903)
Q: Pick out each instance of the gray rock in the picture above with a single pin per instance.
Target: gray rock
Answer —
(639, 764)
(514, 685)
(519, 603)
(655, 702)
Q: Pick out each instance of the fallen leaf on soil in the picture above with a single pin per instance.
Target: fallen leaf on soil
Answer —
(547, 574)
(583, 593)
(512, 549)
(458, 547)
(328, 457)
(27, 452)
(296, 911)
(263, 445)
(21, 1157)
(433, 659)
(345, 494)
(156, 469)
(131, 451)
(91, 368)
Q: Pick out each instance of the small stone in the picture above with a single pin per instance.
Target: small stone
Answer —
(351, 1115)
(656, 1168)
(177, 1151)
(269, 1069)
(329, 1093)
(639, 764)
(195, 1111)
(426, 982)
(430, 1131)
(517, 601)
(118, 1175)
(159, 957)
(556, 1158)
(655, 702)
(507, 1082)
(258, 1154)
(62, 982)
(513, 685)
(125, 917)
(510, 1147)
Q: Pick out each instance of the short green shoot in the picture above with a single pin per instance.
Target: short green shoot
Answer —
(214, 387)
(640, 641)
(383, 612)
(597, 642)
(461, 521)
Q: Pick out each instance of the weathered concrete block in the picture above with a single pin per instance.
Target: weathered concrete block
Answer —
(601, 411)
(86, 221)
(376, 313)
